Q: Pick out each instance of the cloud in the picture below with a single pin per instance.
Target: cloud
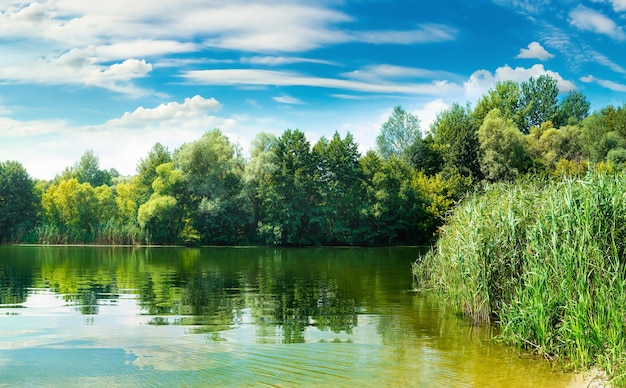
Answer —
(525, 6)
(428, 113)
(74, 67)
(285, 99)
(377, 73)
(576, 53)
(254, 77)
(590, 20)
(426, 33)
(534, 51)
(45, 148)
(611, 85)
(618, 5)
(277, 61)
(482, 80)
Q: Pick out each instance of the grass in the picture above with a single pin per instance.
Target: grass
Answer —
(546, 261)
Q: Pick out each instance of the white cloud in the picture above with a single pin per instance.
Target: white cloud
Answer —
(482, 80)
(119, 143)
(428, 113)
(286, 99)
(534, 51)
(426, 33)
(253, 77)
(611, 85)
(277, 61)
(74, 67)
(378, 73)
(618, 5)
(588, 19)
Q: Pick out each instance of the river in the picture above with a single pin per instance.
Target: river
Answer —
(239, 317)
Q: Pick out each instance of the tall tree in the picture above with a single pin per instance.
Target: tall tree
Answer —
(17, 201)
(87, 170)
(538, 101)
(340, 187)
(293, 195)
(456, 133)
(146, 168)
(572, 109)
(504, 96)
(214, 169)
(398, 134)
(503, 149)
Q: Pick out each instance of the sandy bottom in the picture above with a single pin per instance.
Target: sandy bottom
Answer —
(594, 378)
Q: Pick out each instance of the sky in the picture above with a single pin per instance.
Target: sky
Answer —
(118, 76)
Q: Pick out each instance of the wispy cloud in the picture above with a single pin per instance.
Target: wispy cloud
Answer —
(278, 61)
(588, 19)
(618, 5)
(425, 33)
(254, 77)
(608, 84)
(286, 99)
(534, 51)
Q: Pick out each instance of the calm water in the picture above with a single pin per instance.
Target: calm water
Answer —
(79, 316)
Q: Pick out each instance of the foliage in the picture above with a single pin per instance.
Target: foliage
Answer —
(546, 260)
(18, 201)
(398, 134)
(502, 146)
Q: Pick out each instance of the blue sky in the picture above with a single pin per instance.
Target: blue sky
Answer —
(117, 76)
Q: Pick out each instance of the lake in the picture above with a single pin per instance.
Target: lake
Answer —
(332, 317)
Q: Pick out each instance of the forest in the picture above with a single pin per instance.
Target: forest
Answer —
(289, 192)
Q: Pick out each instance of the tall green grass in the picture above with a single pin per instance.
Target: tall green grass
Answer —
(546, 262)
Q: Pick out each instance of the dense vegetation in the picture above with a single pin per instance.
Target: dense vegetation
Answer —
(546, 261)
(289, 192)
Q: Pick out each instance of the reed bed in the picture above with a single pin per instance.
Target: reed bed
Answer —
(546, 262)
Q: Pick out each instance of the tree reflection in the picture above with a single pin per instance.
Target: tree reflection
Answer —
(283, 293)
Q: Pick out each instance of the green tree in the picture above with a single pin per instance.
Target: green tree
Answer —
(292, 197)
(503, 148)
(18, 208)
(504, 96)
(538, 101)
(340, 187)
(572, 109)
(87, 170)
(214, 169)
(162, 217)
(398, 134)
(257, 175)
(146, 168)
(456, 133)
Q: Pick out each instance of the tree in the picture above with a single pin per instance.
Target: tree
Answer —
(572, 109)
(538, 101)
(456, 132)
(504, 96)
(214, 168)
(292, 197)
(398, 134)
(146, 168)
(340, 187)
(74, 208)
(87, 170)
(503, 152)
(17, 201)
(258, 173)
(162, 216)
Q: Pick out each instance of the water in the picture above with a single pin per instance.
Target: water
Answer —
(87, 316)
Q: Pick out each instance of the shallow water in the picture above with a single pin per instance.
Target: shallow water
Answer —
(87, 316)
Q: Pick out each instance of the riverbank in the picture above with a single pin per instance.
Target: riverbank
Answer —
(545, 261)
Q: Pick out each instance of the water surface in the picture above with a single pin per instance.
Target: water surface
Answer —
(87, 316)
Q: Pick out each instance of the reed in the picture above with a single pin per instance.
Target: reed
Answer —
(545, 261)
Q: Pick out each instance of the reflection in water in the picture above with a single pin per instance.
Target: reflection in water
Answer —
(237, 316)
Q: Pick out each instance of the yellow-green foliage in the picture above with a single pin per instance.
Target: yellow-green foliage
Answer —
(547, 261)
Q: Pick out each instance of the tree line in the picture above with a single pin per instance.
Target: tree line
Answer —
(290, 192)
